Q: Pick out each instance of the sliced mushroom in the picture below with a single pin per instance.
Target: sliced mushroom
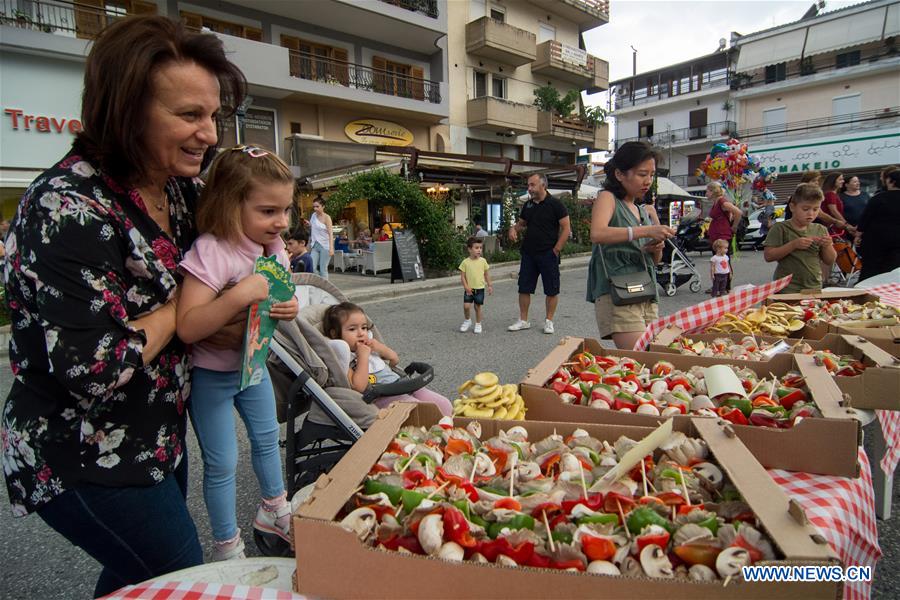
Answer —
(648, 409)
(691, 532)
(655, 562)
(483, 465)
(702, 401)
(756, 539)
(631, 567)
(670, 411)
(361, 522)
(600, 403)
(451, 551)
(474, 429)
(710, 474)
(506, 561)
(701, 573)
(569, 463)
(658, 388)
(526, 471)
(517, 432)
(730, 561)
(431, 534)
(446, 421)
(477, 557)
(579, 433)
(602, 567)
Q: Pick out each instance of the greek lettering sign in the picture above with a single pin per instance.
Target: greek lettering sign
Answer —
(874, 149)
(258, 128)
(378, 132)
(571, 54)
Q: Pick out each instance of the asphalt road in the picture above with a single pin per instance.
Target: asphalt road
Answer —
(38, 563)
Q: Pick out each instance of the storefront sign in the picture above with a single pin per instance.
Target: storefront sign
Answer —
(381, 133)
(19, 120)
(571, 54)
(877, 149)
(258, 128)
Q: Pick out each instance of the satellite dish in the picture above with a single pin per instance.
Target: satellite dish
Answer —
(722, 42)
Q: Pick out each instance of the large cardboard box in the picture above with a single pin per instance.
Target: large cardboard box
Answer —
(827, 446)
(333, 563)
(885, 337)
(878, 387)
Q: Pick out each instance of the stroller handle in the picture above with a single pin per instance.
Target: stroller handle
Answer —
(418, 375)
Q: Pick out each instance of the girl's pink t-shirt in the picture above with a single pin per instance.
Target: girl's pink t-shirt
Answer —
(219, 264)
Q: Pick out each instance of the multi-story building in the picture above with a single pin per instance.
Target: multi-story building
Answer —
(682, 109)
(371, 72)
(822, 93)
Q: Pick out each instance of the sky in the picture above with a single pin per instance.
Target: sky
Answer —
(672, 31)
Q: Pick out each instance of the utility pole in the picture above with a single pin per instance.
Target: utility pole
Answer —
(633, 61)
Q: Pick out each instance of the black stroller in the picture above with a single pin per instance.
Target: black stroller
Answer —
(676, 269)
(689, 235)
(324, 416)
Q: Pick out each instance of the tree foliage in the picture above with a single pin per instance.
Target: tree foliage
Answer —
(429, 219)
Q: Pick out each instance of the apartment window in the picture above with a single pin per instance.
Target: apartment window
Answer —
(846, 59)
(846, 105)
(498, 14)
(398, 79)
(480, 83)
(546, 33)
(776, 72)
(774, 121)
(493, 149)
(697, 122)
(91, 16)
(645, 128)
(498, 86)
(555, 157)
(219, 26)
(319, 62)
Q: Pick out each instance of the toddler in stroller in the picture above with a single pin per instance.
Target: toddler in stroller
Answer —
(324, 414)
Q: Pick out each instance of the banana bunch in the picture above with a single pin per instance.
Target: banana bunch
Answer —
(483, 397)
(775, 319)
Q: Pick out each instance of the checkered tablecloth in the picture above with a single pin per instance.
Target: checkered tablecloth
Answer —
(843, 509)
(709, 311)
(195, 590)
(889, 293)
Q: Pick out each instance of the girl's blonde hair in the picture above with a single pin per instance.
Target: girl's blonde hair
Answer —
(716, 187)
(720, 243)
(229, 180)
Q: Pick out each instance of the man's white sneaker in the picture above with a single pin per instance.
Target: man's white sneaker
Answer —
(465, 325)
(519, 325)
(477, 327)
(548, 326)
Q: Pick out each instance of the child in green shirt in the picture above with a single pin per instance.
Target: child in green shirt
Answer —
(799, 244)
(475, 278)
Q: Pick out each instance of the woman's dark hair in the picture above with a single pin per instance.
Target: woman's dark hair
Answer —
(335, 315)
(893, 176)
(627, 157)
(118, 87)
(829, 184)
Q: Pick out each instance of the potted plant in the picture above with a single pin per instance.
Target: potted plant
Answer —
(547, 99)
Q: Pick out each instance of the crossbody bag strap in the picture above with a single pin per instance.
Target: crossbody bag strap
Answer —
(643, 257)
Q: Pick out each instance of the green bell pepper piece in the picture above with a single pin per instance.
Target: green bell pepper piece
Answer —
(520, 521)
(672, 474)
(643, 516)
(712, 523)
(373, 486)
(564, 537)
(601, 518)
(742, 404)
(411, 499)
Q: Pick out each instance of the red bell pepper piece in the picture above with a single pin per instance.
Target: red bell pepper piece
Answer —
(572, 389)
(551, 509)
(687, 508)
(625, 400)
(456, 446)
(572, 563)
(680, 381)
(589, 376)
(792, 397)
(409, 542)
(755, 554)
(763, 418)
(663, 368)
(539, 561)
(508, 503)
(376, 468)
(747, 385)
(634, 379)
(598, 548)
(793, 381)
(585, 359)
(660, 538)
(593, 502)
(612, 380)
(763, 400)
(413, 479)
(456, 528)
(614, 501)
(808, 314)
(558, 386)
(698, 554)
(550, 466)
(605, 362)
(498, 457)
(395, 448)
(733, 415)
(671, 498)
(521, 554)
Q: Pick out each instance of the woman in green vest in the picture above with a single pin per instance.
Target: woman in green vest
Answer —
(630, 239)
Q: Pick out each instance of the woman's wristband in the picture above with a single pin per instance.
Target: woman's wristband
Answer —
(630, 234)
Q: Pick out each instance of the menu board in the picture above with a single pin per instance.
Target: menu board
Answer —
(406, 263)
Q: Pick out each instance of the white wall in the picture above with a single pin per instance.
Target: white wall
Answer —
(37, 86)
(676, 117)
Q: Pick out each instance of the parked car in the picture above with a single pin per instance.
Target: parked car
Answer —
(752, 237)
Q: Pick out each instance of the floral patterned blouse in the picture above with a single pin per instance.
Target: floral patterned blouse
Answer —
(83, 259)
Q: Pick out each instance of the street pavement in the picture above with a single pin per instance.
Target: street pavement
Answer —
(420, 321)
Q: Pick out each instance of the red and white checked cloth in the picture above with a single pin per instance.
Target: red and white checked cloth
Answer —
(709, 311)
(889, 293)
(196, 590)
(843, 510)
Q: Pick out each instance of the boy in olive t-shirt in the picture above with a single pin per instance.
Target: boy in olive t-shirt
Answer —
(475, 277)
(799, 244)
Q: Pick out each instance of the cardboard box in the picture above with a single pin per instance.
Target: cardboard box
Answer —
(885, 337)
(333, 563)
(827, 446)
(878, 387)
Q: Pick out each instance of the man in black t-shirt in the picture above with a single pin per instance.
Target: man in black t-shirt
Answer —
(545, 221)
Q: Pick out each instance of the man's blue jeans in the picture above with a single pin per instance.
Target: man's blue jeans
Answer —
(135, 533)
(214, 396)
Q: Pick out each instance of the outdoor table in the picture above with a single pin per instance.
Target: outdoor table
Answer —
(843, 510)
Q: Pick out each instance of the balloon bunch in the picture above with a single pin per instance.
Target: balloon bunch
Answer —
(730, 164)
(764, 177)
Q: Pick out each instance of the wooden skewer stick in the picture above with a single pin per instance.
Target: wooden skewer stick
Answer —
(549, 533)
(652, 487)
(687, 496)
(436, 490)
(474, 466)
(727, 581)
(673, 514)
(622, 514)
(410, 461)
(644, 476)
(512, 474)
(583, 483)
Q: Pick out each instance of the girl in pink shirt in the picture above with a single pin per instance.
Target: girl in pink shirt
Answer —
(241, 216)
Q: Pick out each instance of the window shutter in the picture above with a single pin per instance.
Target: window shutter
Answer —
(379, 77)
(251, 33)
(418, 83)
(292, 43)
(90, 18)
(138, 7)
(340, 68)
(192, 20)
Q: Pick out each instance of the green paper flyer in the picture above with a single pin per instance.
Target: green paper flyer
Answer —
(260, 326)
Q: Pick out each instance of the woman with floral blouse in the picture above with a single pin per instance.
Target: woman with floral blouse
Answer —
(93, 431)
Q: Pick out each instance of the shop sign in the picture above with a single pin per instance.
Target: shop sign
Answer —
(19, 120)
(380, 133)
(258, 128)
(573, 55)
(880, 148)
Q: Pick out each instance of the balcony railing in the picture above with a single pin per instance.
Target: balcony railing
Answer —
(642, 97)
(426, 7)
(65, 17)
(687, 134)
(338, 72)
(870, 119)
(821, 64)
